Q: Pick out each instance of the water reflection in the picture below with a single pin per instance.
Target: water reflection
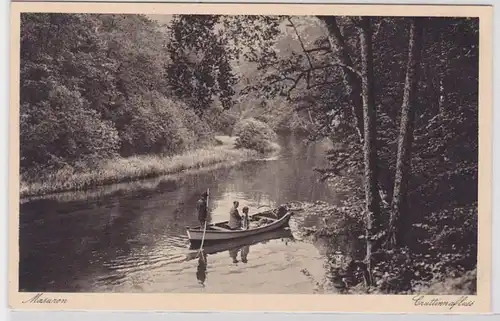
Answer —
(244, 250)
(238, 250)
(201, 272)
(244, 253)
(343, 254)
(101, 244)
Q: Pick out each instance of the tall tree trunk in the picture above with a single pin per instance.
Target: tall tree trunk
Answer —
(352, 83)
(372, 197)
(441, 99)
(399, 220)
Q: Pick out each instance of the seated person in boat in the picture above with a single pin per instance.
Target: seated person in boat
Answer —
(281, 212)
(202, 208)
(245, 218)
(234, 217)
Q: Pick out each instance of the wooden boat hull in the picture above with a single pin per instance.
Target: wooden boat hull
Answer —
(213, 248)
(215, 233)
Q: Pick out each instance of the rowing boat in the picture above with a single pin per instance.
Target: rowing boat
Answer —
(210, 249)
(221, 232)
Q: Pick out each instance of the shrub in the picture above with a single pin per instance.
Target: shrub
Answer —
(222, 121)
(253, 125)
(256, 135)
(63, 130)
(465, 284)
(160, 125)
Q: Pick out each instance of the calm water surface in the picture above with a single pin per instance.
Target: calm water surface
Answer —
(135, 241)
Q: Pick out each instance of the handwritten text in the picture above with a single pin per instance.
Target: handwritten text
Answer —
(423, 301)
(42, 298)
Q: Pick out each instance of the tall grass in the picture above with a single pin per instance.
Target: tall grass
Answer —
(120, 170)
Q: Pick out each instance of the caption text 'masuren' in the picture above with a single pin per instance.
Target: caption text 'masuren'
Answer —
(41, 298)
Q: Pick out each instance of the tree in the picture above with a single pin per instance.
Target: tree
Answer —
(372, 201)
(200, 67)
(106, 72)
(61, 59)
(399, 220)
(418, 162)
(351, 78)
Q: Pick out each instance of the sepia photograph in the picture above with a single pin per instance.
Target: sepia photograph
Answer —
(209, 153)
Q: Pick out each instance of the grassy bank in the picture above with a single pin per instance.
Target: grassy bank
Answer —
(134, 168)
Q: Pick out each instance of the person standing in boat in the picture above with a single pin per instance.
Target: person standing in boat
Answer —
(234, 217)
(202, 208)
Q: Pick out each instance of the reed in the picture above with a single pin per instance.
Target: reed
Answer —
(134, 168)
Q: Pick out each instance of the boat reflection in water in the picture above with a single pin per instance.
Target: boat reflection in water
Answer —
(244, 250)
(241, 246)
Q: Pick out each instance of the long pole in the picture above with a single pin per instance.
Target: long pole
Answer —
(205, 227)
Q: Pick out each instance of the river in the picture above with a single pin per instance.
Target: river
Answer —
(134, 240)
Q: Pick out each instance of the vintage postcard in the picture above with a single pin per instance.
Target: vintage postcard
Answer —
(250, 157)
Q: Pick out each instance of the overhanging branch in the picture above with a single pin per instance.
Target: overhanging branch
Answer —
(300, 41)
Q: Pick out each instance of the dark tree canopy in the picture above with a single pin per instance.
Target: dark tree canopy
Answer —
(200, 67)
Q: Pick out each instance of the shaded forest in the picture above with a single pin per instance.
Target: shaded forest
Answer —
(398, 96)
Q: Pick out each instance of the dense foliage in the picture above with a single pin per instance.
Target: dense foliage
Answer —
(98, 86)
(398, 98)
(200, 68)
(323, 74)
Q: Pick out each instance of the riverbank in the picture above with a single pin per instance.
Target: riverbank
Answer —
(136, 168)
(397, 271)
